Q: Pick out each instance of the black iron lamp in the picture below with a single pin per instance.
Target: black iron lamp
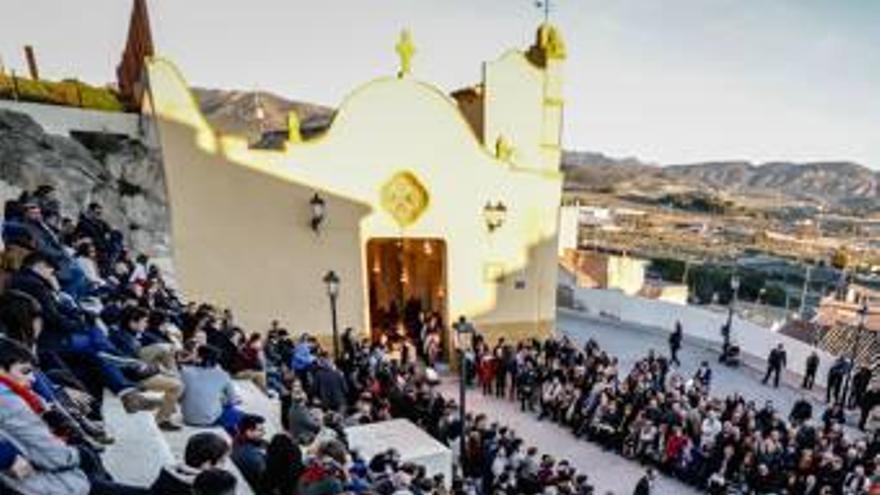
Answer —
(318, 211)
(494, 215)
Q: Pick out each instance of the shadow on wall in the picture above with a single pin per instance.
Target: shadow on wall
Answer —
(243, 239)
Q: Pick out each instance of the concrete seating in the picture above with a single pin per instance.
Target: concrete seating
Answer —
(142, 449)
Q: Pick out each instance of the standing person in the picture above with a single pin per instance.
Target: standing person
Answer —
(870, 400)
(329, 385)
(835, 379)
(703, 375)
(811, 367)
(643, 487)
(675, 343)
(526, 386)
(860, 381)
(775, 363)
(500, 369)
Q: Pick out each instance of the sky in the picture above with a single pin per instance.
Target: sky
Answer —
(667, 81)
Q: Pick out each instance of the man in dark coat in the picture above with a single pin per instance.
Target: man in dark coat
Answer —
(92, 225)
(204, 451)
(801, 411)
(860, 382)
(675, 339)
(330, 386)
(835, 379)
(775, 363)
(643, 487)
(810, 374)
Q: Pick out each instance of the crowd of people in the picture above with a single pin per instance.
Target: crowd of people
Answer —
(655, 415)
(81, 316)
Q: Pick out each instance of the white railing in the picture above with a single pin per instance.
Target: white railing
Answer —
(699, 325)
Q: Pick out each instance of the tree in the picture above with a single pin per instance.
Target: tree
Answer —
(840, 259)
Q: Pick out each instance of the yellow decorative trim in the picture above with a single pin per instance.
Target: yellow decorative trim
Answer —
(493, 272)
(405, 49)
(550, 40)
(293, 127)
(404, 198)
(503, 149)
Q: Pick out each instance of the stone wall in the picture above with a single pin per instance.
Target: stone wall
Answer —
(122, 173)
(63, 121)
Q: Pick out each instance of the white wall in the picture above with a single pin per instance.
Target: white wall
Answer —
(699, 325)
(62, 120)
(569, 224)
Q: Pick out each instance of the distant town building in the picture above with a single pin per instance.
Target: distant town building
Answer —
(606, 271)
(838, 319)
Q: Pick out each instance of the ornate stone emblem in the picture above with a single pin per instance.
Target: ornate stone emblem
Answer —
(405, 198)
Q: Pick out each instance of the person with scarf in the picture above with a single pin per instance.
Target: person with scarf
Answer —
(56, 467)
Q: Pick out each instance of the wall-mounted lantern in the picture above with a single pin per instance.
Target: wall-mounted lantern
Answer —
(494, 215)
(318, 211)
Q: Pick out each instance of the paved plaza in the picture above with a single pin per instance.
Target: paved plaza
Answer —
(607, 470)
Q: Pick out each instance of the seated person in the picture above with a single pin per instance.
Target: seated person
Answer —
(249, 449)
(209, 397)
(20, 324)
(214, 482)
(204, 451)
(68, 341)
(249, 363)
(127, 340)
(54, 466)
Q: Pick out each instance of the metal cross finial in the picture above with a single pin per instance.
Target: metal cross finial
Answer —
(405, 49)
(546, 6)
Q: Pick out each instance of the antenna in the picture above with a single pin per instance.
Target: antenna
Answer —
(259, 113)
(546, 6)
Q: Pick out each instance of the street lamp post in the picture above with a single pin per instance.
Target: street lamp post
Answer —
(332, 282)
(734, 286)
(462, 328)
(863, 316)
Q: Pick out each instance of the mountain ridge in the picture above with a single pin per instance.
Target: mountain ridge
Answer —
(839, 184)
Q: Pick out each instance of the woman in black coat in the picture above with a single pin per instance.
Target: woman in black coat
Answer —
(284, 464)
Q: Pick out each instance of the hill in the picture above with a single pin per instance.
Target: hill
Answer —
(842, 185)
(235, 112)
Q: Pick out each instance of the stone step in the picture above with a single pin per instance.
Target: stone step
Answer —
(142, 449)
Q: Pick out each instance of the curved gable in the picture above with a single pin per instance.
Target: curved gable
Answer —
(387, 112)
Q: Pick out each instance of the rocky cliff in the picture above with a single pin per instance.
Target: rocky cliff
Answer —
(122, 174)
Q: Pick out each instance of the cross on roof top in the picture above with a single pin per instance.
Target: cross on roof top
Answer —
(406, 50)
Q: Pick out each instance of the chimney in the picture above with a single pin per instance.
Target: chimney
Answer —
(32, 62)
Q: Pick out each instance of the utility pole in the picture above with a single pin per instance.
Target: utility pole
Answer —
(804, 291)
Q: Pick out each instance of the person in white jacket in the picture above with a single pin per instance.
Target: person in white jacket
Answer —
(87, 261)
(710, 429)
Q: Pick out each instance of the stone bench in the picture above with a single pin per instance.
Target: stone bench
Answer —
(142, 449)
